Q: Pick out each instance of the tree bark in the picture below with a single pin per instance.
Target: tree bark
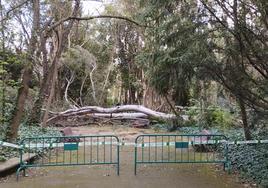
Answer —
(36, 111)
(81, 90)
(27, 76)
(244, 119)
(92, 84)
(69, 82)
(12, 132)
(108, 73)
(51, 94)
(125, 111)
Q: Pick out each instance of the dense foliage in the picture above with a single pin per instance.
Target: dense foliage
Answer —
(251, 162)
(191, 42)
(25, 132)
(203, 59)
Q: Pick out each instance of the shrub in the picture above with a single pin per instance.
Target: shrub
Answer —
(27, 131)
(210, 117)
(251, 161)
(37, 131)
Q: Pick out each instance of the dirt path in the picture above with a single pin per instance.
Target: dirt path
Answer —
(149, 176)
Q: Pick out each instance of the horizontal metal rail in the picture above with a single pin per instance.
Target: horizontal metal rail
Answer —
(159, 144)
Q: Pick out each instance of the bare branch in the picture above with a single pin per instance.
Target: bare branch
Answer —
(81, 89)
(91, 18)
(69, 81)
(94, 66)
(19, 19)
(13, 8)
(217, 18)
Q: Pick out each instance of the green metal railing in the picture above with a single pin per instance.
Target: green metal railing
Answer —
(104, 149)
(181, 148)
(70, 151)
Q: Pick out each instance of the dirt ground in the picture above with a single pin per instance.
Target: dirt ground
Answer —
(149, 176)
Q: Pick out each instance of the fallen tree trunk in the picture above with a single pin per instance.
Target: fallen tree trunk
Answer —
(118, 112)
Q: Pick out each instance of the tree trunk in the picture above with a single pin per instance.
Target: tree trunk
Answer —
(93, 85)
(51, 94)
(81, 90)
(12, 132)
(27, 76)
(124, 111)
(2, 25)
(69, 82)
(36, 111)
(35, 116)
(244, 119)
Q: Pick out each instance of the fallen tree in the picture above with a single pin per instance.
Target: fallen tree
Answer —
(124, 112)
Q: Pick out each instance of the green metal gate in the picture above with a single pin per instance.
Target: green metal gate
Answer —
(104, 150)
(181, 148)
(70, 151)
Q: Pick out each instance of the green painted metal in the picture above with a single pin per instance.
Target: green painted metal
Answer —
(180, 148)
(70, 151)
(181, 145)
(70, 146)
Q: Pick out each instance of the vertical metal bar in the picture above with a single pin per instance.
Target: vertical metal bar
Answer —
(142, 149)
(155, 148)
(215, 152)
(63, 158)
(118, 157)
(91, 149)
(111, 150)
(36, 145)
(181, 149)
(188, 157)
(84, 150)
(208, 149)
(168, 147)
(226, 156)
(149, 148)
(77, 151)
(215, 146)
(57, 152)
(175, 148)
(104, 149)
(135, 155)
(202, 146)
(194, 148)
(70, 156)
(21, 153)
(162, 149)
(50, 148)
(43, 150)
(97, 149)
(21, 162)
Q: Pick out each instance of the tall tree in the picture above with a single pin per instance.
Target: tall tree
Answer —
(27, 74)
(225, 41)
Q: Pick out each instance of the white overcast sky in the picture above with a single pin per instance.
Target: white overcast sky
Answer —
(92, 7)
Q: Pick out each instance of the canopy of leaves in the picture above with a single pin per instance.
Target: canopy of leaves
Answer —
(208, 40)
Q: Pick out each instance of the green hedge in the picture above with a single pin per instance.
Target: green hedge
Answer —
(251, 161)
